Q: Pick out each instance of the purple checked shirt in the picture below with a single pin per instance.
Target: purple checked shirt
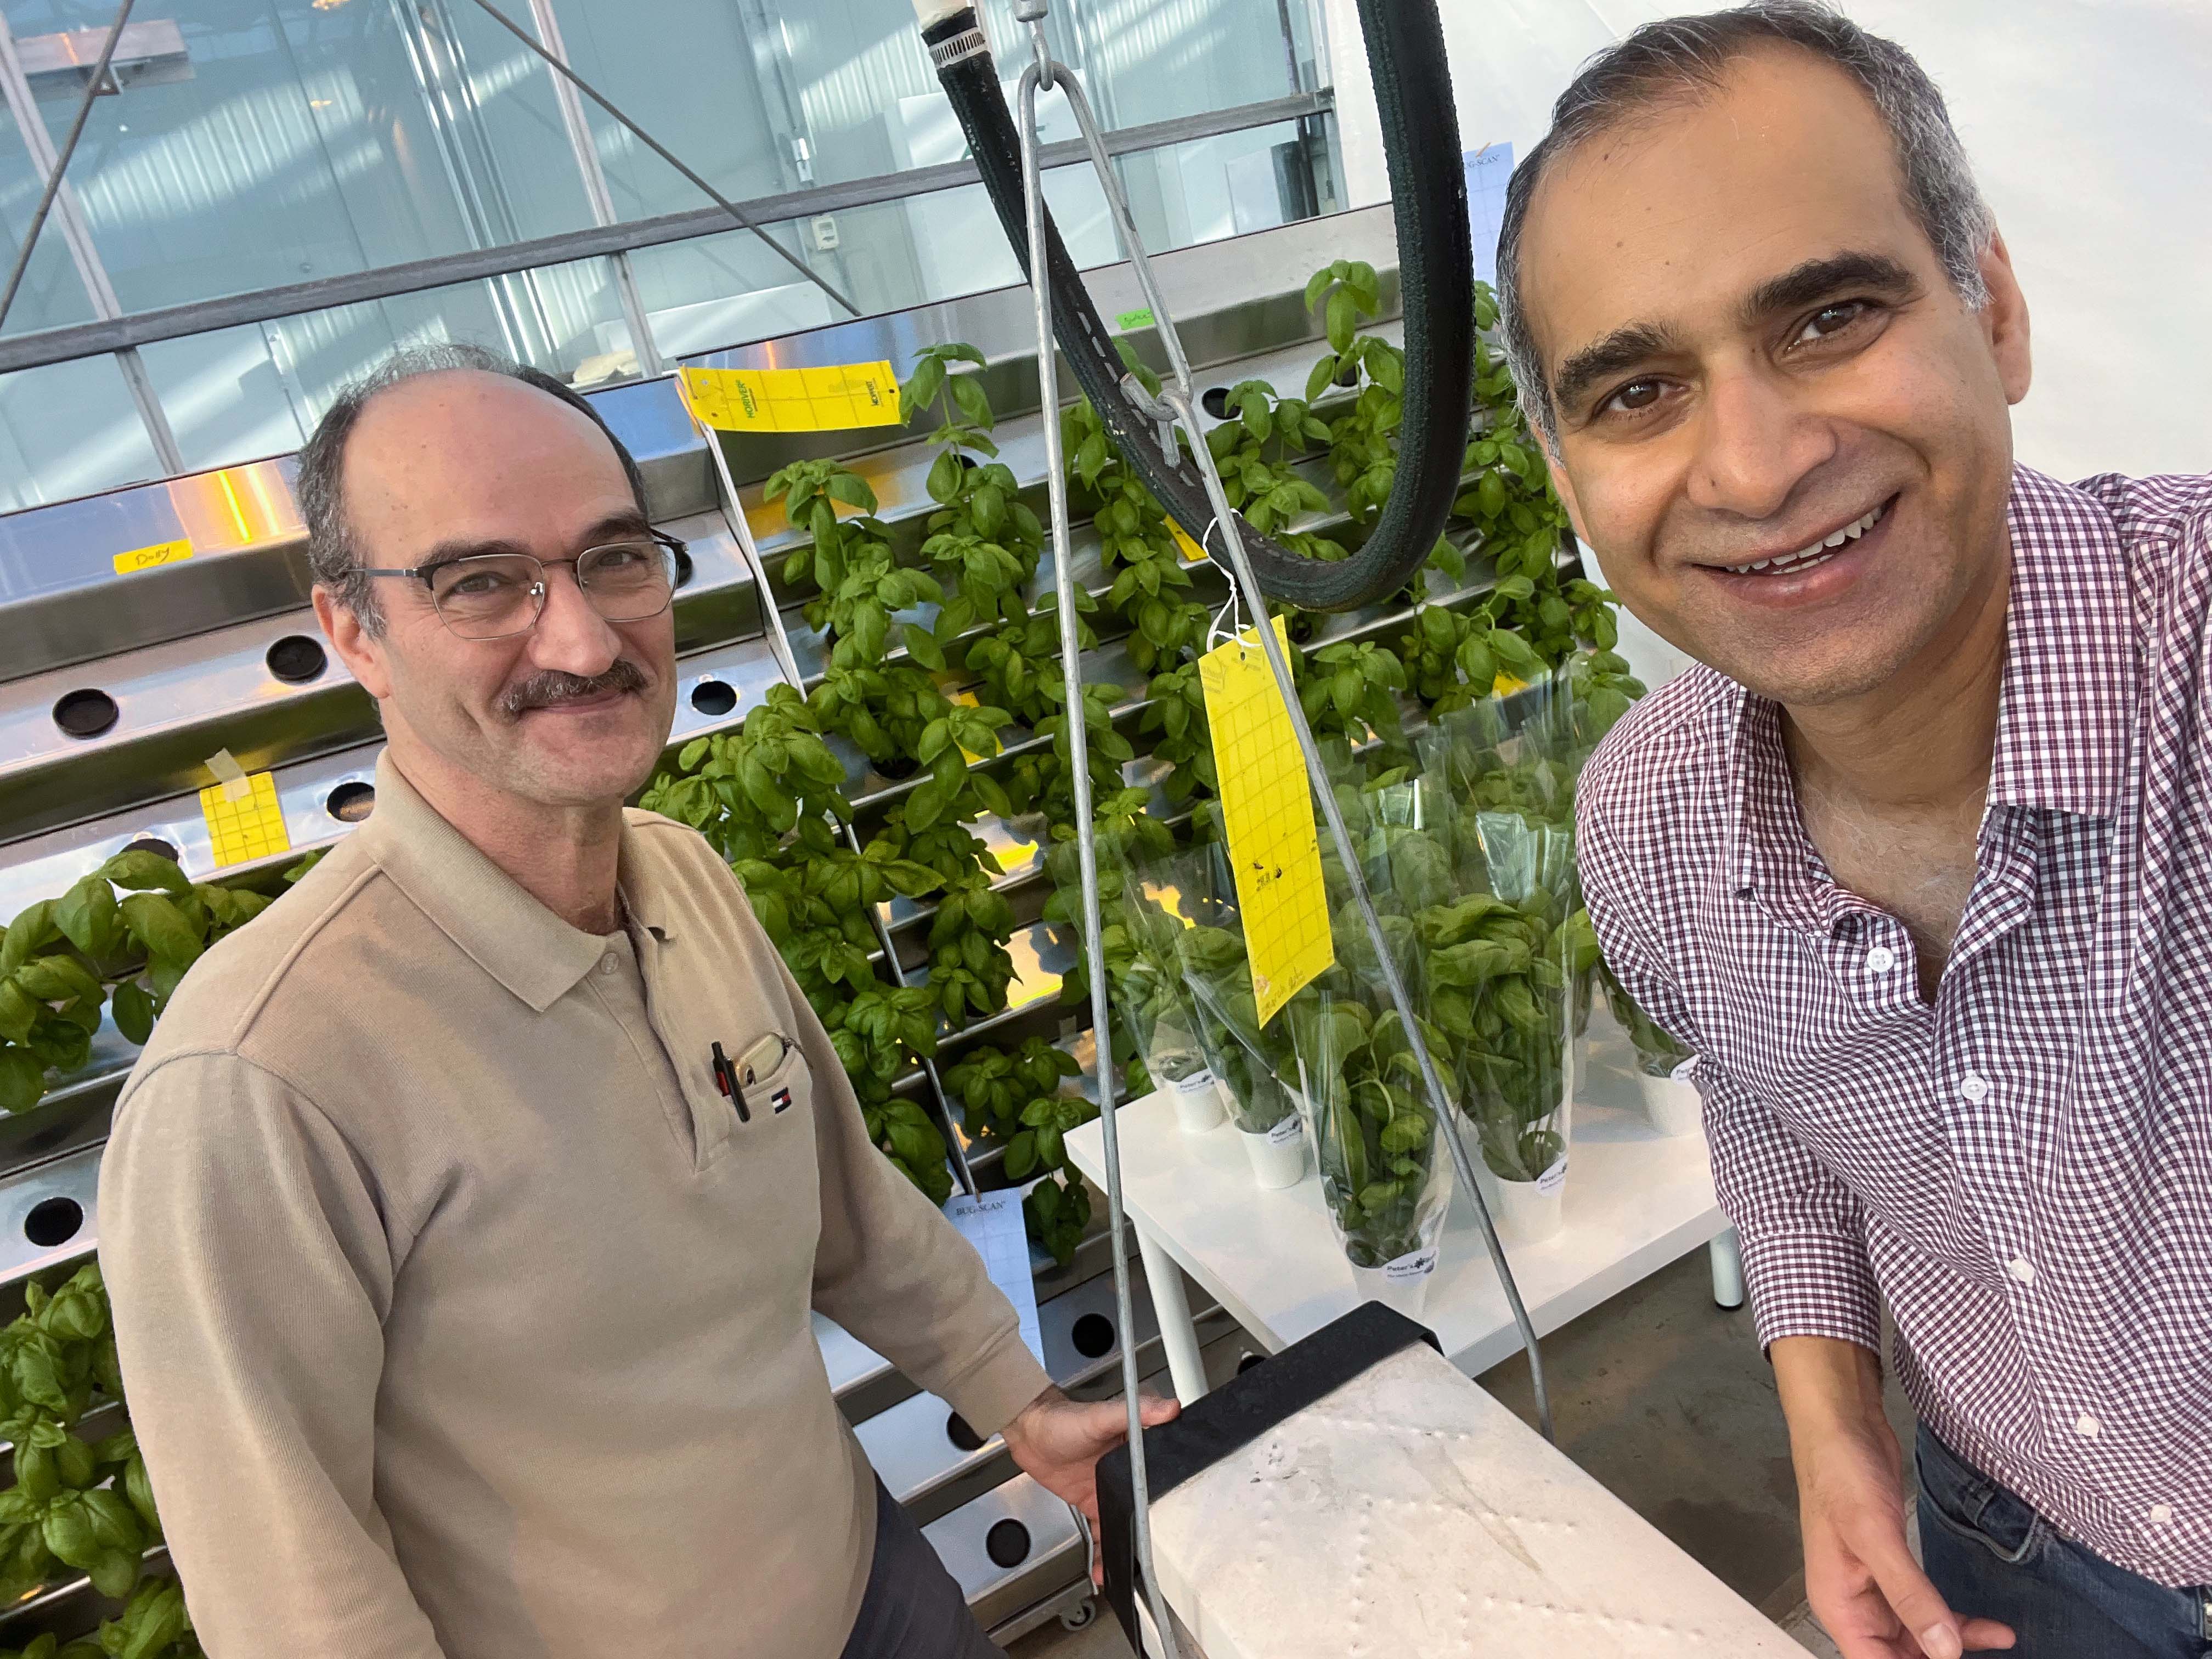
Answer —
(2023, 1171)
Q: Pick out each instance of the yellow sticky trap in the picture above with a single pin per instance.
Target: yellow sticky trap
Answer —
(1267, 816)
(250, 827)
(792, 399)
(1192, 552)
(145, 558)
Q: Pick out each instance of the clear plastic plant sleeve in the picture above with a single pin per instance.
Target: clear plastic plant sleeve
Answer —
(1209, 949)
(1155, 1008)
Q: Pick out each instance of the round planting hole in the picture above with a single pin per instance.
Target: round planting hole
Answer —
(349, 803)
(154, 844)
(54, 1221)
(1008, 1543)
(1245, 1362)
(683, 568)
(713, 697)
(1093, 1336)
(958, 1432)
(295, 659)
(85, 714)
(1214, 400)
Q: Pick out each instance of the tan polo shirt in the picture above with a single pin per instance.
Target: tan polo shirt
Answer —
(463, 1314)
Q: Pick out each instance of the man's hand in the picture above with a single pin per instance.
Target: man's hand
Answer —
(1859, 1576)
(1058, 1442)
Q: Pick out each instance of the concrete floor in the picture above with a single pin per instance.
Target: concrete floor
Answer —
(1666, 1400)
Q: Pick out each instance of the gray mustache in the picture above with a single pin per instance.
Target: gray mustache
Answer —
(551, 686)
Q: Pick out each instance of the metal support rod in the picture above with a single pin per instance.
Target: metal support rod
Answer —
(61, 163)
(595, 189)
(664, 153)
(1040, 73)
(68, 218)
(1178, 401)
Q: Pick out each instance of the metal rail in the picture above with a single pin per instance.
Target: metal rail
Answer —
(61, 164)
(110, 334)
(667, 155)
(1042, 73)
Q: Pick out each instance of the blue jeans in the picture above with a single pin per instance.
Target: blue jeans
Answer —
(1993, 1557)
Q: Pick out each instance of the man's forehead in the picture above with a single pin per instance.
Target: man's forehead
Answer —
(1677, 215)
(440, 442)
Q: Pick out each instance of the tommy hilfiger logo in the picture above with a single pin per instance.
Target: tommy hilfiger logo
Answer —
(781, 1098)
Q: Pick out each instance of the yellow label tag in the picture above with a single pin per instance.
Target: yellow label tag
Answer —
(248, 827)
(1505, 685)
(1192, 552)
(792, 399)
(145, 558)
(1267, 814)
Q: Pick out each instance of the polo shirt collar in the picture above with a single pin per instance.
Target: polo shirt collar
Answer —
(477, 905)
(2065, 713)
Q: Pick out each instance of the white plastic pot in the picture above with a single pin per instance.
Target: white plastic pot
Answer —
(1402, 1285)
(1526, 1212)
(1672, 1101)
(1277, 1155)
(1198, 1102)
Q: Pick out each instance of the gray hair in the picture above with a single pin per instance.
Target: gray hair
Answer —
(1684, 57)
(332, 553)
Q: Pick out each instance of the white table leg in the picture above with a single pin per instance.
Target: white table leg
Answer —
(1178, 1332)
(1728, 1270)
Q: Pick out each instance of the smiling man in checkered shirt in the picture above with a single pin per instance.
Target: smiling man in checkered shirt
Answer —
(1915, 862)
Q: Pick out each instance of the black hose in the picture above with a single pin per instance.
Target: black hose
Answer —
(1420, 140)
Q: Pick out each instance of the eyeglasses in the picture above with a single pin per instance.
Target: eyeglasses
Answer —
(494, 595)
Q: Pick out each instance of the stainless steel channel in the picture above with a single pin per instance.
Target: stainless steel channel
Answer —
(175, 703)
(73, 587)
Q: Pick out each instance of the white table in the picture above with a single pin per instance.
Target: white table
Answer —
(1635, 1201)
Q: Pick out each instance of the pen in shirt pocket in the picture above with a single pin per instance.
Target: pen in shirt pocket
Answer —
(759, 1062)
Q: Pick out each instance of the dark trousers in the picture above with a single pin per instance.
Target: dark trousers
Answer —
(1994, 1558)
(912, 1608)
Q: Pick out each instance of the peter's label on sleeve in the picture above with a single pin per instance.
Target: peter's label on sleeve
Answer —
(1416, 1264)
(1683, 1070)
(1552, 1179)
(1197, 1083)
(1287, 1131)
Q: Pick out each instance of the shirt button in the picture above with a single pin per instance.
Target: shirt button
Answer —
(1975, 1087)
(2160, 1514)
(2086, 1427)
(607, 964)
(2022, 1269)
(1881, 959)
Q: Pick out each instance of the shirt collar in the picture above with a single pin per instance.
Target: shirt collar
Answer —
(483, 909)
(2064, 714)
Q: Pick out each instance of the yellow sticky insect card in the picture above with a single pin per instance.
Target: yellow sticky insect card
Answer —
(1192, 552)
(1267, 814)
(246, 827)
(792, 399)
